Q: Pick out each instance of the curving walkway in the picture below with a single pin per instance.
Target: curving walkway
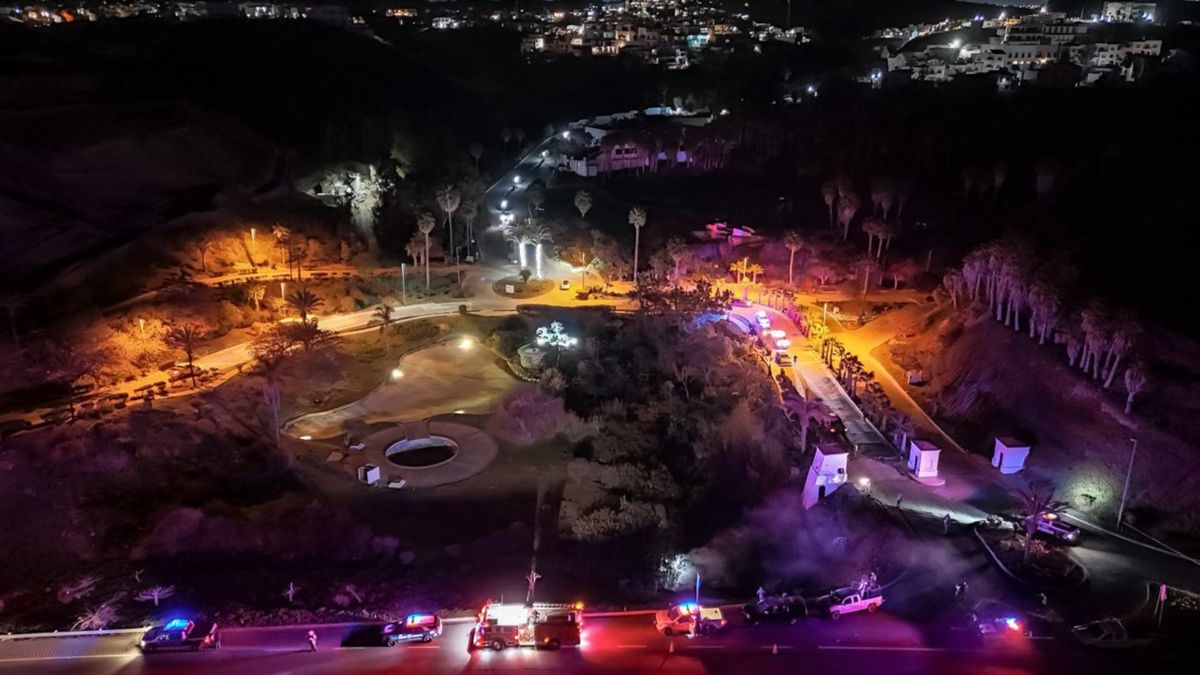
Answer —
(437, 380)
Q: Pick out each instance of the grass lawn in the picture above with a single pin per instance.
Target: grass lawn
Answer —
(523, 289)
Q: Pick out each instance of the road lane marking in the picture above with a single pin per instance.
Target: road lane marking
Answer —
(703, 647)
(631, 646)
(877, 648)
(778, 647)
(425, 647)
(76, 657)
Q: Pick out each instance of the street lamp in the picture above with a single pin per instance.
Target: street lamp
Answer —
(503, 204)
(1128, 476)
(517, 179)
(566, 135)
(466, 344)
(397, 373)
(253, 245)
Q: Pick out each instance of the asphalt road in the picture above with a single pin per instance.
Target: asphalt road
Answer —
(877, 643)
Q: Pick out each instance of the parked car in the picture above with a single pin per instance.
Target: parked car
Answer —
(1108, 634)
(181, 635)
(1053, 525)
(689, 618)
(783, 359)
(851, 600)
(776, 609)
(414, 628)
(564, 285)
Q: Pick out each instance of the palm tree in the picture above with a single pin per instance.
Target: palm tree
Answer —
(873, 227)
(1125, 331)
(202, 245)
(304, 302)
(282, 235)
(185, 336)
(1136, 380)
(804, 411)
(754, 269)
(384, 313)
(476, 151)
(1037, 501)
(903, 429)
(257, 292)
(448, 198)
(11, 302)
(637, 218)
(847, 208)
(794, 243)
(866, 266)
(829, 193)
(583, 202)
(426, 223)
(506, 136)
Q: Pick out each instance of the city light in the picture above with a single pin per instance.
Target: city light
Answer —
(306, 437)
(503, 203)
(466, 344)
(397, 373)
(566, 135)
(517, 179)
(864, 482)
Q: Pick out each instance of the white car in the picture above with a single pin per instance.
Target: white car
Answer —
(849, 603)
(689, 618)
(565, 285)
(1052, 524)
(1107, 634)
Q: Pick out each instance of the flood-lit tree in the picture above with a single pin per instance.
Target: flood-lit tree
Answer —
(1136, 381)
(1125, 330)
(873, 228)
(1036, 501)
(637, 218)
(904, 271)
(186, 336)
(476, 152)
(794, 243)
(955, 287)
(384, 313)
(203, 244)
(155, 594)
(804, 411)
(304, 302)
(677, 250)
(449, 199)
(426, 223)
(256, 293)
(848, 205)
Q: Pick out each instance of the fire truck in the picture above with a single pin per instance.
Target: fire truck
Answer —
(542, 625)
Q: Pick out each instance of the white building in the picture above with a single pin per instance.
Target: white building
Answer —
(1128, 12)
(923, 458)
(826, 474)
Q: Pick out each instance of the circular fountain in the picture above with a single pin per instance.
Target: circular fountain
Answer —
(421, 453)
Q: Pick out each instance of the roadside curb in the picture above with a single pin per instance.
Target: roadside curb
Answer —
(1099, 528)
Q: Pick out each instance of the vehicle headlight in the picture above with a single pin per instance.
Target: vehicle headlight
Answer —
(142, 643)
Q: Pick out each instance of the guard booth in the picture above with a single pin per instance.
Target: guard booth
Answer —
(826, 474)
(923, 458)
(1010, 454)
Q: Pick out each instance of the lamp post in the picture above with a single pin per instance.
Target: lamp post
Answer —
(253, 246)
(142, 327)
(1128, 476)
(403, 286)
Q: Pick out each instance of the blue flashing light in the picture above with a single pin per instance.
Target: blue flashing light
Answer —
(1012, 623)
(176, 624)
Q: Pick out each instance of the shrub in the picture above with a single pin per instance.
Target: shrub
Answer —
(607, 523)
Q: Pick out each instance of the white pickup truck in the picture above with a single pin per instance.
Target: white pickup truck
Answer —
(848, 601)
(689, 618)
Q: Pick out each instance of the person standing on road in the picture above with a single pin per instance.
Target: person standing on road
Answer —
(946, 524)
(311, 636)
(762, 595)
(899, 500)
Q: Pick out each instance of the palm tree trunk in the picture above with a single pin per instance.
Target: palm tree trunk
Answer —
(791, 262)
(1112, 372)
(637, 236)
(427, 261)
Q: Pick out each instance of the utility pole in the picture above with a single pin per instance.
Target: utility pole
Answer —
(787, 23)
(1128, 476)
(403, 286)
